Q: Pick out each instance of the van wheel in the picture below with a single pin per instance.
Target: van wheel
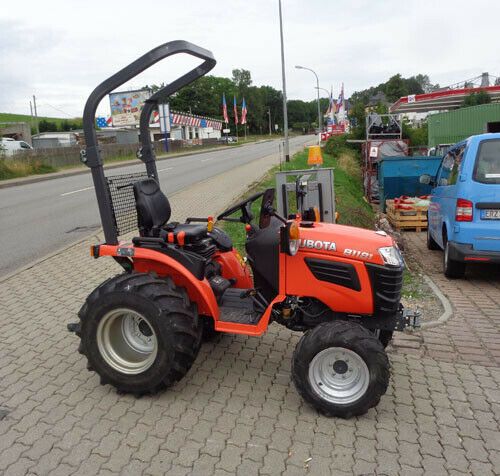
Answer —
(431, 243)
(452, 269)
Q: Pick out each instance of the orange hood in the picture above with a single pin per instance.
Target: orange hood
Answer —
(346, 241)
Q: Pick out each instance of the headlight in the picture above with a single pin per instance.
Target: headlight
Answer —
(391, 256)
(294, 247)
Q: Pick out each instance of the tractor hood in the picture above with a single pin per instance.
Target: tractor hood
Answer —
(346, 241)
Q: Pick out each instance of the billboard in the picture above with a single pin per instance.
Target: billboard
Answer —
(126, 106)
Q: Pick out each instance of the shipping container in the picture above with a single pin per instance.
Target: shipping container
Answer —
(454, 126)
(399, 176)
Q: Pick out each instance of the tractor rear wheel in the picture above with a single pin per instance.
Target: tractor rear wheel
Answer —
(340, 368)
(140, 333)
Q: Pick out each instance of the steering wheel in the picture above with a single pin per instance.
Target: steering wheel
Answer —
(245, 207)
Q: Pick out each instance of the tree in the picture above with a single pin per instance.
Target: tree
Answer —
(475, 99)
(396, 87)
(47, 126)
(242, 78)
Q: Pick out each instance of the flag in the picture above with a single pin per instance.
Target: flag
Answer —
(235, 108)
(340, 101)
(243, 112)
(224, 108)
(101, 122)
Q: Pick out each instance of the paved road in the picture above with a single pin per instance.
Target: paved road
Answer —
(39, 218)
(237, 411)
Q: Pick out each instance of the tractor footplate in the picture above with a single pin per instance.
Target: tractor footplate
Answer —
(238, 307)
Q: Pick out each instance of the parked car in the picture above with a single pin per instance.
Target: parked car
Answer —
(10, 146)
(464, 211)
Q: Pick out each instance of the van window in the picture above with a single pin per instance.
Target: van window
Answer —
(450, 168)
(24, 145)
(487, 167)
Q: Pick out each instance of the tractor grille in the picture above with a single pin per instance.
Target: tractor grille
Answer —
(386, 284)
(123, 201)
(342, 274)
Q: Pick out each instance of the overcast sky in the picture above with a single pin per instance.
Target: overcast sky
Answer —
(60, 50)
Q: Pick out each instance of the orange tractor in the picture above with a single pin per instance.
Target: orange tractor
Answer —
(141, 330)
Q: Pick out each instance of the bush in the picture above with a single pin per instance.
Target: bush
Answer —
(335, 145)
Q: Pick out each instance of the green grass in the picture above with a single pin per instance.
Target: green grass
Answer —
(10, 169)
(8, 117)
(349, 201)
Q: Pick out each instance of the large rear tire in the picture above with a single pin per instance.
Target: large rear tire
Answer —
(140, 333)
(341, 369)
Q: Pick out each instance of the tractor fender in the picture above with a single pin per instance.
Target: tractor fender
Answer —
(234, 267)
(146, 261)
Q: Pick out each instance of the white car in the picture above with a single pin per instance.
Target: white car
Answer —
(10, 146)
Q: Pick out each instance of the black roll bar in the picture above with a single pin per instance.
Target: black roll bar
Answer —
(91, 156)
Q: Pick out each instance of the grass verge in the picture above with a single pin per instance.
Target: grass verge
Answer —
(11, 169)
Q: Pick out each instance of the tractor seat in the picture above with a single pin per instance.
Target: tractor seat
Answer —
(153, 213)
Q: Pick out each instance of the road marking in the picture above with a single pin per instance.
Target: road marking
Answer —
(163, 170)
(76, 191)
(206, 160)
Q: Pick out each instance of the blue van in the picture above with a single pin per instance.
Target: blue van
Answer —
(464, 212)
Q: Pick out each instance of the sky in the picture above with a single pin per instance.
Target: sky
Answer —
(61, 50)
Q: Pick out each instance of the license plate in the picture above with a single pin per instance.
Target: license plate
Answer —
(490, 214)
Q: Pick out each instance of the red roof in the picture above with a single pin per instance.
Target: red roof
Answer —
(440, 100)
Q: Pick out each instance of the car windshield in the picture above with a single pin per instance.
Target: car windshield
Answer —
(487, 168)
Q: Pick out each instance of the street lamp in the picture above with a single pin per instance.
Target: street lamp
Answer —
(317, 89)
(285, 112)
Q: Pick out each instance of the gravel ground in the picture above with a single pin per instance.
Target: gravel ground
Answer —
(416, 292)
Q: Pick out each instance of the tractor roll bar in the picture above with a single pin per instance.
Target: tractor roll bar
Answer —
(91, 156)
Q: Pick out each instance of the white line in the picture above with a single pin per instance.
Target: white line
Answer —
(167, 168)
(76, 191)
(206, 160)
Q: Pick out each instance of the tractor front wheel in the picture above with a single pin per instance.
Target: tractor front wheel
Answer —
(340, 368)
(140, 333)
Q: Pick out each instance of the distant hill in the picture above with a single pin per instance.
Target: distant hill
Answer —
(7, 117)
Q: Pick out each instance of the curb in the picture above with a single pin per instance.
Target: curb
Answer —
(448, 309)
(47, 256)
(443, 318)
(125, 163)
(95, 234)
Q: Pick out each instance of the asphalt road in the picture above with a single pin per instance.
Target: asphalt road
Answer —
(39, 218)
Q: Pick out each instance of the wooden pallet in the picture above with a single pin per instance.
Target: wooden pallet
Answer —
(412, 219)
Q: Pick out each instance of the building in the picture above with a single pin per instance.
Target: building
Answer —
(189, 127)
(454, 126)
(16, 131)
(48, 140)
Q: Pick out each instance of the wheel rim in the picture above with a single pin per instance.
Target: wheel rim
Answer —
(339, 375)
(127, 341)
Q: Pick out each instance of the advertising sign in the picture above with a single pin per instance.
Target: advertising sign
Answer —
(164, 111)
(126, 106)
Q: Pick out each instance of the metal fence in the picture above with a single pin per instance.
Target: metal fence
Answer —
(70, 156)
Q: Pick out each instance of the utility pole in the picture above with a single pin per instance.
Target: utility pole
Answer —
(269, 116)
(36, 115)
(285, 112)
(31, 115)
